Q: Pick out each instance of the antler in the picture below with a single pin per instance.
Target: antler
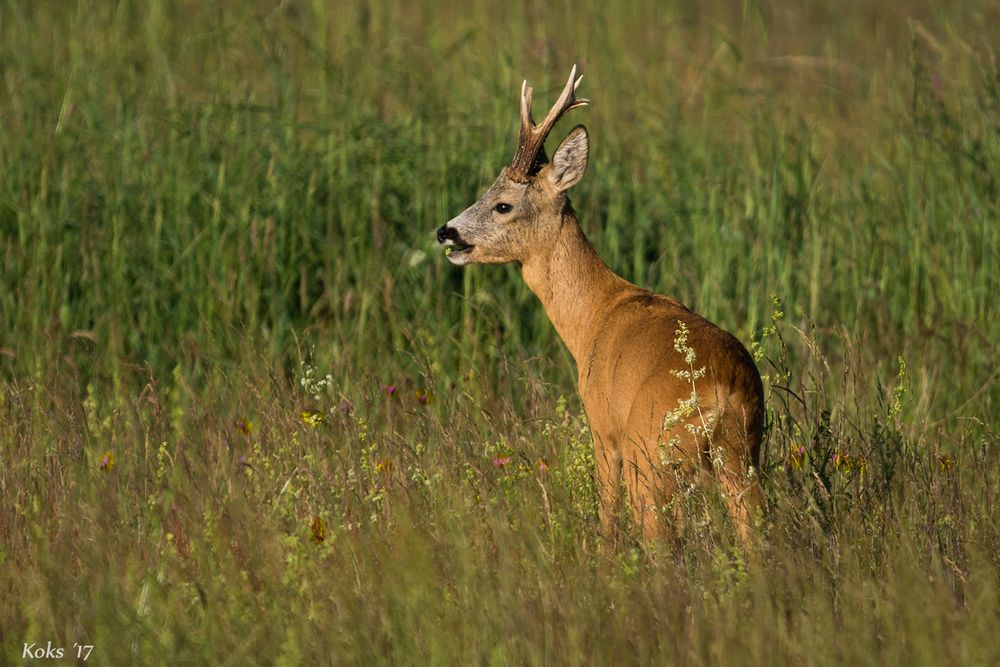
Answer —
(531, 142)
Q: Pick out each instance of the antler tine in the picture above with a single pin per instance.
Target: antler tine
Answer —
(532, 137)
(525, 104)
(567, 100)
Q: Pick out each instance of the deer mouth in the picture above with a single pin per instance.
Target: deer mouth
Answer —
(457, 249)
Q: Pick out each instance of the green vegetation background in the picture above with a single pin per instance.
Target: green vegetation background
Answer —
(248, 412)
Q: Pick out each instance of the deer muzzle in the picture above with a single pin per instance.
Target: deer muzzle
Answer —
(454, 247)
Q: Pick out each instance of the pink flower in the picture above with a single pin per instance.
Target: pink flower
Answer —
(391, 390)
(501, 461)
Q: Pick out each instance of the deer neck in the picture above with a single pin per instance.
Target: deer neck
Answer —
(574, 285)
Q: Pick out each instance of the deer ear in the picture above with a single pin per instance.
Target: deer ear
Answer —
(570, 159)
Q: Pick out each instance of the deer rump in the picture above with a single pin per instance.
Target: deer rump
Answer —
(674, 403)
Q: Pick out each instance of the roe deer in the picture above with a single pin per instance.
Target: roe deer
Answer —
(672, 399)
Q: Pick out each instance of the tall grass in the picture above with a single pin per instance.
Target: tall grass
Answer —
(249, 414)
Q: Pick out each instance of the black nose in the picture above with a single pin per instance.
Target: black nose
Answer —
(445, 232)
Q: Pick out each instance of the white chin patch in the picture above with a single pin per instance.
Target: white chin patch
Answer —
(459, 258)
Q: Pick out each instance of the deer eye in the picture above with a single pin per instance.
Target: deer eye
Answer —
(503, 207)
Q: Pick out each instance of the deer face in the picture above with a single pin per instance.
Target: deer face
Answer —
(522, 211)
(514, 219)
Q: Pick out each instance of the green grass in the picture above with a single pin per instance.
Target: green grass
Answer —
(208, 209)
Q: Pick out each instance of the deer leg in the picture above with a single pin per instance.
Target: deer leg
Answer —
(740, 487)
(609, 484)
(742, 496)
(642, 489)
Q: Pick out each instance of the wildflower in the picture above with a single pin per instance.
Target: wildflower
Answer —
(245, 426)
(106, 462)
(681, 343)
(899, 391)
(384, 465)
(423, 398)
(842, 461)
(311, 418)
(312, 383)
(543, 466)
(846, 463)
(797, 455)
(501, 461)
(946, 463)
(318, 529)
(391, 390)
(242, 462)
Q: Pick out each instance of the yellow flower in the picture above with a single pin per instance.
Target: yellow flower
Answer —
(318, 529)
(946, 462)
(312, 418)
(384, 465)
(796, 455)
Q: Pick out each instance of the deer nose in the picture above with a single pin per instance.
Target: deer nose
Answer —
(445, 232)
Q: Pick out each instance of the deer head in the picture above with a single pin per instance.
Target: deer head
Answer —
(520, 214)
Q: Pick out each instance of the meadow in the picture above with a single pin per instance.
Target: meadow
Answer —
(249, 414)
